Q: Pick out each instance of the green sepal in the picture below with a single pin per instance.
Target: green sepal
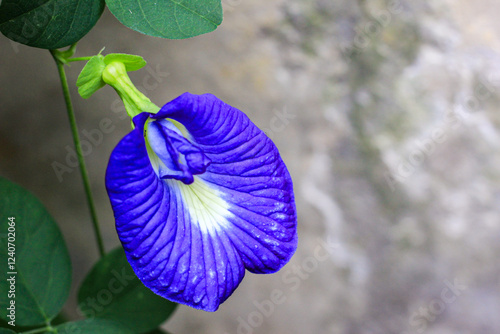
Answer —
(90, 79)
(131, 62)
(115, 75)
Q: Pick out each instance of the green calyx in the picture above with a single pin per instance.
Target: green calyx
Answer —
(115, 75)
(112, 70)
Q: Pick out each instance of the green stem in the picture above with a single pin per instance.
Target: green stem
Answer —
(76, 140)
(49, 328)
(69, 60)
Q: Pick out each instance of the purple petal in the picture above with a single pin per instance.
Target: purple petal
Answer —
(219, 201)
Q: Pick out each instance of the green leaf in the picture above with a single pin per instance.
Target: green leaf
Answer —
(112, 291)
(49, 24)
(6, 331)
(42, 269)
(90, 79)
(174, 19)
(93, 326)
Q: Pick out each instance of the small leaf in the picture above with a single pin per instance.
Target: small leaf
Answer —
(93, 326)
(112, 291)
(42, 269)
(90, 79)
(175, 19)
(48, 24)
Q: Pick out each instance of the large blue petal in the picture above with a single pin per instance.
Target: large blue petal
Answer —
(191, 241)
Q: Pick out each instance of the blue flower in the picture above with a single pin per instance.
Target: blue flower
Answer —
(200, 194)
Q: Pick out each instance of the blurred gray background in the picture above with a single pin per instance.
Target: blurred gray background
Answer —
(386, 113)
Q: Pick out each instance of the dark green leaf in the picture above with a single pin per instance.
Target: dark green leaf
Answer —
(6, 331)
(112, 291)
(42, 264)
(175, 19)
(18, 329)
(93, 326)
(48, 24)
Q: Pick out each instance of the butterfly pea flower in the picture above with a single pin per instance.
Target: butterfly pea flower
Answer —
(200, 195)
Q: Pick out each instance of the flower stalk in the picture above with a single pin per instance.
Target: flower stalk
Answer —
(76, 140)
